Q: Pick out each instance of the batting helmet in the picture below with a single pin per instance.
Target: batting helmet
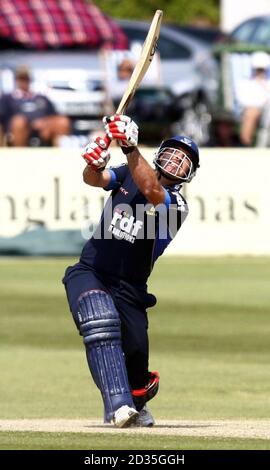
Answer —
(166, 158)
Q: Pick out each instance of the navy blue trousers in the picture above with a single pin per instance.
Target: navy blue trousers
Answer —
(131, 303)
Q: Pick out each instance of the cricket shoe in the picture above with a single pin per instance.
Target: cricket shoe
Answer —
(145, 419)
(125, 416)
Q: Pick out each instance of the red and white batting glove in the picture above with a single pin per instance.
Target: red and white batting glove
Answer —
(96, 154)
(123, 129)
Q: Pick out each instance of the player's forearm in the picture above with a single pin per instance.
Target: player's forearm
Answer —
(145, 177)
(90, 177)
(94, 178)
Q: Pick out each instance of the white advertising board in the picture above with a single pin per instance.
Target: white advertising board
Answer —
(229, 199)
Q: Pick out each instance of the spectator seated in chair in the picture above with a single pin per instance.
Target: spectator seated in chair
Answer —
(254, 97)
(24, 113)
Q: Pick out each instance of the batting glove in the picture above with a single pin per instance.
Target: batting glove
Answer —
(96, 154)
(123, 129)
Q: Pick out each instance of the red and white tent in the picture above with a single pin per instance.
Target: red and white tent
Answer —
(51, 24)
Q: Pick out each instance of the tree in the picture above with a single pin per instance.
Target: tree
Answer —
(177, 11)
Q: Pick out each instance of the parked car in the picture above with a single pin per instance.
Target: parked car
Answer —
(188, 70)
(255, 30)
(208, 35)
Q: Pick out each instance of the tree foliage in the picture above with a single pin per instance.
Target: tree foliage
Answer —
(178, 11)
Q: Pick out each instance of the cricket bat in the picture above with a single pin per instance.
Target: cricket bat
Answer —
(147, 54)
(146, 57)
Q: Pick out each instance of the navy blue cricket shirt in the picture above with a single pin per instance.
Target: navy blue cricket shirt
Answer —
(132, 233)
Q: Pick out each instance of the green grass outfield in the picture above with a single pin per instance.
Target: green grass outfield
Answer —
(75, 441)
(209, 338)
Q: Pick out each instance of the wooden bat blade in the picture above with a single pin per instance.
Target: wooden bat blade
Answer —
(147, 54)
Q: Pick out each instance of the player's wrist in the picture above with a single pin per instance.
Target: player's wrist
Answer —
(128, 150)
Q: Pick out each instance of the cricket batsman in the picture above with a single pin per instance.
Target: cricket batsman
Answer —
(107, 288)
